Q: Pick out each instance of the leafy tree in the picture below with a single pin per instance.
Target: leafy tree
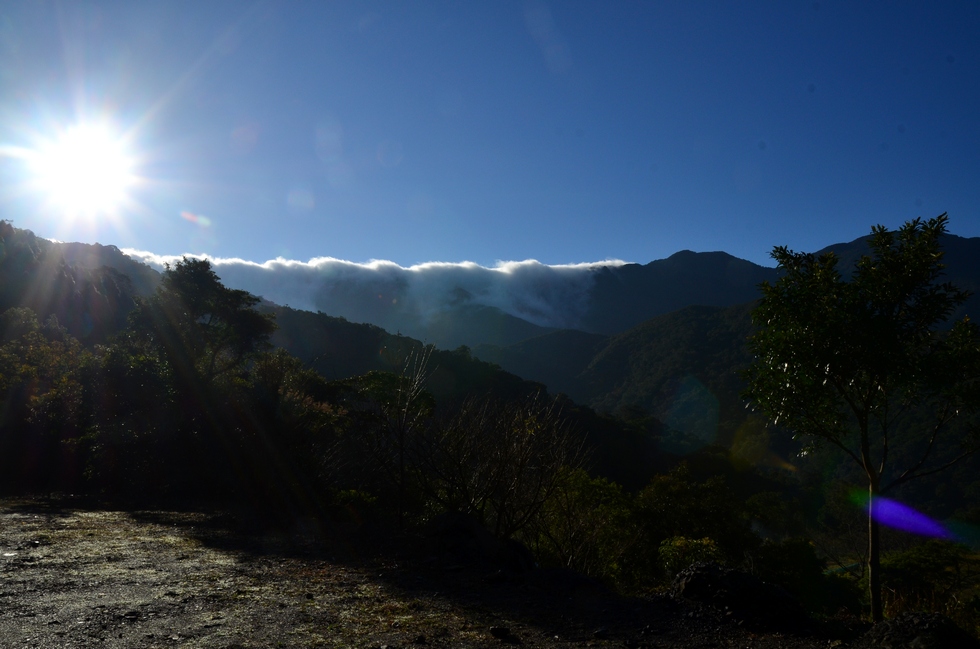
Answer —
(183, 360)
(201, 324)
(865, 365)
(678, 553)
(132, 441)
(290, 430)
(290, 396)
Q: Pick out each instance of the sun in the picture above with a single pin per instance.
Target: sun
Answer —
(83, 171)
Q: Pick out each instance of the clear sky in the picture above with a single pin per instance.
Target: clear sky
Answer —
(421, 131)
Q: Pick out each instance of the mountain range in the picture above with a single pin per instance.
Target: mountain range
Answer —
(681, 362)
(664, 339)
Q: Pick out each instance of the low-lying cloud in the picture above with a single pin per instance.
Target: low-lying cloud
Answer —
(393, 296)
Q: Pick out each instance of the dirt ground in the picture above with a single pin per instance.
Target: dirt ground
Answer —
(81, 577)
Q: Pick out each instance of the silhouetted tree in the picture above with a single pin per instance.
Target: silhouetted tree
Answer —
(864, 364)
(389, 412)
(194, 340)
(200, 323)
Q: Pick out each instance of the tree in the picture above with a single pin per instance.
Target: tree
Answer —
(867, 365)
(195, 341)
(499, 461)
(677, 504)
(42, 405)
(200, 323)
(390, 411)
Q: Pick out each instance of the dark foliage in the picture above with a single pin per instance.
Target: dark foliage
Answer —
(866, 365)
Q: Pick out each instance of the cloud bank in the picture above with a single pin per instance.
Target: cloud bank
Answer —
(393, 296)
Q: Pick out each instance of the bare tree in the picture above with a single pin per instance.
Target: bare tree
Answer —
(499, 461)
(385, 413)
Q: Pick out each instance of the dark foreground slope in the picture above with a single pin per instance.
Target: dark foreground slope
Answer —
(76, 577)
(339, 349)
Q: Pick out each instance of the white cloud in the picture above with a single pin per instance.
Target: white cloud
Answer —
(392, 296)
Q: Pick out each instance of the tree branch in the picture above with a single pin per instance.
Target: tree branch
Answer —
(906, 476)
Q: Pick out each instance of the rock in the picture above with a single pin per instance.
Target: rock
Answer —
(464, 538)
(744, 597)
(567, 583)
(917, 631)
(457, 533)
(503, 633)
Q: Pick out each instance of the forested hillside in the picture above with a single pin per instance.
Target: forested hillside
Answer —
(682, 368)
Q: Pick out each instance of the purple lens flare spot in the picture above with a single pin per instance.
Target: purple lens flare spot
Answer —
(902, 517)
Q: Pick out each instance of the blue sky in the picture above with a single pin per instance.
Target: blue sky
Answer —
(565, 132)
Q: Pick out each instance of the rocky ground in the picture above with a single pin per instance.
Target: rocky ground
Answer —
(80, 577)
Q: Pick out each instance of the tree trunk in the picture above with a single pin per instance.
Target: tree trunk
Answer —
(874, 562)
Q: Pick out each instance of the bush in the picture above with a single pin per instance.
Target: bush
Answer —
(497, 461)
(585, 525)
(794, 565)
(678, 553)
(934, 576)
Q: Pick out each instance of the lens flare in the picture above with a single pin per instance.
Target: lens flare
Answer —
(900, 517)
(199, 219)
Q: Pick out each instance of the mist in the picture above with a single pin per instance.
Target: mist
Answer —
(392, 296)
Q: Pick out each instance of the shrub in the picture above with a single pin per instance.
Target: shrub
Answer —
(586, 525)
(794, 565)
(678, 553)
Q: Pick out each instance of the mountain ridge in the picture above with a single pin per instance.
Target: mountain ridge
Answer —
(638, 367)
(698, 349)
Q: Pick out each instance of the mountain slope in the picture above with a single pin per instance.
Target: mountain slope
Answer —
(555, 359)
(471, 323)
(625, 296)
(620, 297)
(91, 302)
(677, 365)
(681, 367)
(961, 257)
(94, 256)
(339, 349)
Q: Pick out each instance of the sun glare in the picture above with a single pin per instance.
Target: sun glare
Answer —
(84, 171)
